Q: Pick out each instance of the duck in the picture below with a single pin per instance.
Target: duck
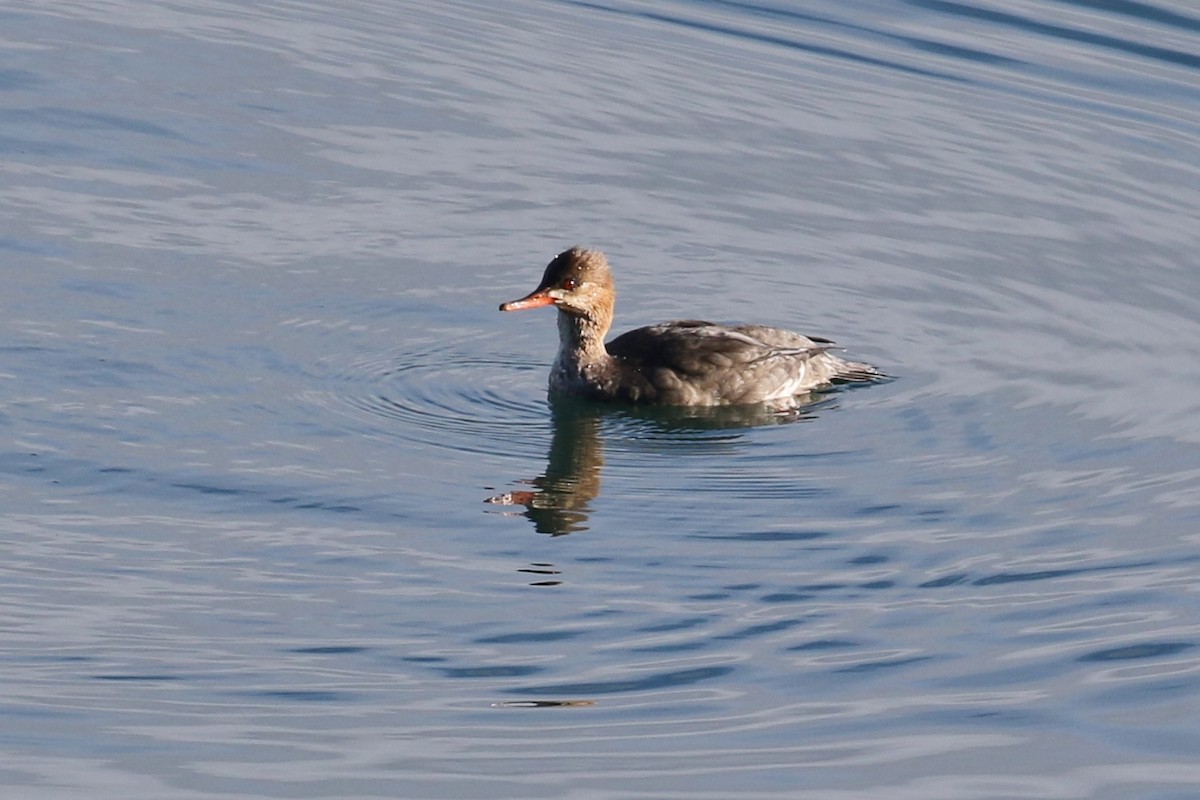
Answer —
(680, 363)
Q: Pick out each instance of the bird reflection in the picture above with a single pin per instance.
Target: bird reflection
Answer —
(559, 501)
(560, 498)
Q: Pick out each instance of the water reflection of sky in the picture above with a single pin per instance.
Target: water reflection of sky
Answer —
(255, 389)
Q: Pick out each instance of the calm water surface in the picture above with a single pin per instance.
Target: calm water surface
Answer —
(254, 392)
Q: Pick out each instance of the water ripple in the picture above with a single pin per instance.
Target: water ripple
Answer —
(444, 395)
(253, 398)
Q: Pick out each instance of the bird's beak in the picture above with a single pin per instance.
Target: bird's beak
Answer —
(535, 299)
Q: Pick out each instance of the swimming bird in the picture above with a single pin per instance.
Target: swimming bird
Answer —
(681, 363)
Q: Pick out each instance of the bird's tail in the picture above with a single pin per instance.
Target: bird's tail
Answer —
(854, 371)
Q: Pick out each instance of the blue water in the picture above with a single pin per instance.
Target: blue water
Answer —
(255, 392)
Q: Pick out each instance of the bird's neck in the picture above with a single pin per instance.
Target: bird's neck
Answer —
(580, 345)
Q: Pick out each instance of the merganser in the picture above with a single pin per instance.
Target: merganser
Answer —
(681, 363)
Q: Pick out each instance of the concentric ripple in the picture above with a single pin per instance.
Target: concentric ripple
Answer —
(451, 396)
(461, 395)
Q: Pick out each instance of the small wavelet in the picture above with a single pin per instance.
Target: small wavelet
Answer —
(445, 396)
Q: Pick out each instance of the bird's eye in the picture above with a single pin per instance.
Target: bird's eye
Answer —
(569, 283)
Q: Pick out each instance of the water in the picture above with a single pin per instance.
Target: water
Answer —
(256, 392)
